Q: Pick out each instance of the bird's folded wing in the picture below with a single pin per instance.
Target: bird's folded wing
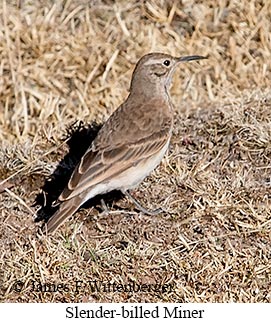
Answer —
(100, 166)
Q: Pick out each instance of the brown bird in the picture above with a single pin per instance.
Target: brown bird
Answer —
(130, 144)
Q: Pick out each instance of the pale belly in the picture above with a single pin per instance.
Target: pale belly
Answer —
(129, 178)
(135, 175)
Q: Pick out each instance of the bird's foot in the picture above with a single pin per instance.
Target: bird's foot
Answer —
(142, 208)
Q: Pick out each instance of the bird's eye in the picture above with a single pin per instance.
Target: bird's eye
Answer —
(166, 62)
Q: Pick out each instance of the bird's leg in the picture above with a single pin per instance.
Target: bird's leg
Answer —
(140, 207)
(104, 207)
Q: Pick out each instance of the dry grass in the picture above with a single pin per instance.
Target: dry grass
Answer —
(66, 61)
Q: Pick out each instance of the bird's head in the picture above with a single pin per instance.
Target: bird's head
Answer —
(157, 69)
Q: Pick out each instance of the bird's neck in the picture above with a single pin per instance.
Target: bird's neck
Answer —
(148, 90)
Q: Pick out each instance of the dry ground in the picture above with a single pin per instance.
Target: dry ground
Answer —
(68, 61)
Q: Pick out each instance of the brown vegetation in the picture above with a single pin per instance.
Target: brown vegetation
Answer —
(63, 62)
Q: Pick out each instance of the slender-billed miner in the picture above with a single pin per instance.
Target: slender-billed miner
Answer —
(131, 143)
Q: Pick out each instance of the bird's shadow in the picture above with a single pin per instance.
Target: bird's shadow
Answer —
(79, 137)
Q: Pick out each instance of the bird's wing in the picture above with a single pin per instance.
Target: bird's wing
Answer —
(97, 167)
(135, 131)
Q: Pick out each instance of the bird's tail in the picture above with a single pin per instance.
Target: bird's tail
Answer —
(67, 208)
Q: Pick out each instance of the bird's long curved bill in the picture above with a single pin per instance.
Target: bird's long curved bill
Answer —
(191, 58)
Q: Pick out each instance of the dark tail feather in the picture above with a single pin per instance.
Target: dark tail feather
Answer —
(66, 209)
